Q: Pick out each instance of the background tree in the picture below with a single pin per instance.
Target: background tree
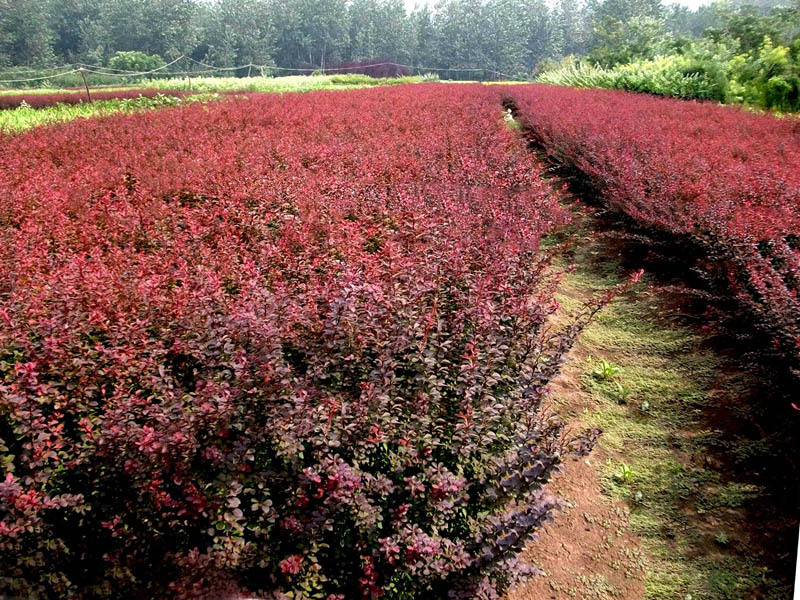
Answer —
(26, 38)
(168, 28)
(237, 32)
(626, 30)
(310, 32)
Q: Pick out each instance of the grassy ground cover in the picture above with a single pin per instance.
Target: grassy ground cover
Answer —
(293, 83)
(24, 118)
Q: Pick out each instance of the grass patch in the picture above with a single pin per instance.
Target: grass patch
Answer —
(294, 83)
(24, 118)
(658, 437)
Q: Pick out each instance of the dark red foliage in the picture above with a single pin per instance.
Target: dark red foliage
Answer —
(77, 97)
(373, 68)
(726, 179)
(279, 344)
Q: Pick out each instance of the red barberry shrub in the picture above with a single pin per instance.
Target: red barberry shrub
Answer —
(291, 346)
(11, 101)
(724, 179)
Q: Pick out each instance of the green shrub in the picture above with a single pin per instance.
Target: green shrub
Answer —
(135, 62)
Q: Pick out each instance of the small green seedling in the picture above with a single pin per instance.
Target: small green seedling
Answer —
(606, 370)
(624, 474)
(620, 393)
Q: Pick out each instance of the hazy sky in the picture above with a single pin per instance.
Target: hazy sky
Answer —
(410, 4)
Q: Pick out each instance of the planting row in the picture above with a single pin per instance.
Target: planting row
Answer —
(10, 101)
(723, 181)
(290, 345)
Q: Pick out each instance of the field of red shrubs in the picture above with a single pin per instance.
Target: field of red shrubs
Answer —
(723, 179)
(277, 345)
(77, 97)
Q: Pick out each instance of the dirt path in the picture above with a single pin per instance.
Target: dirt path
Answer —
(670, 504)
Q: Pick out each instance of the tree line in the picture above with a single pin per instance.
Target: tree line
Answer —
(513, 37)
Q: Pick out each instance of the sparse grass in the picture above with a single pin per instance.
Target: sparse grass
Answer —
(658, 440)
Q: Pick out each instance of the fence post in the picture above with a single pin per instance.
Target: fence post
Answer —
(85, 83)
(186, 69)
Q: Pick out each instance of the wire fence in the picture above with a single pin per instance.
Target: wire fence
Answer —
(194, 67)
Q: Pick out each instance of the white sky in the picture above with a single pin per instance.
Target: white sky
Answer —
(410, 4)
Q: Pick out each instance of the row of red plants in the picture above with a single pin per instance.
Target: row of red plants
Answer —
(725, 181)
(288, 346)
(12, 101)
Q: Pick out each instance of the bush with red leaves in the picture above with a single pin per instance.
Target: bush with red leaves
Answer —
(12, 101)
(292, 346)
(723, 178)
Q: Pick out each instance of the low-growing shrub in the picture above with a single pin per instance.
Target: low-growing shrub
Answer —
(11, 101)
(722, 181)
(288, 346)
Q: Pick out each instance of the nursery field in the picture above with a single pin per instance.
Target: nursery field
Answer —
(324, 345)
(12, 101)
(24, 109)
(724, 184)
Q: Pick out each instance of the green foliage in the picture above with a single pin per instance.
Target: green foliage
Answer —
(294, 83)
(605, 370)
(624, 31)
(624, 473)
(621, 393)
(25, 38)
(767, 77)
(135, 61)
(24, 118)
(745, 56)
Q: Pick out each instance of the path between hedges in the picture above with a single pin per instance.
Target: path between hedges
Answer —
(656, 511)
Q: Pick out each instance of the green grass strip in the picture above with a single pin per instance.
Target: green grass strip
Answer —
(24, 118)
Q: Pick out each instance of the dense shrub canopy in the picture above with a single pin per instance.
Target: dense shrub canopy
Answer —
(726, 179)
(290, 345)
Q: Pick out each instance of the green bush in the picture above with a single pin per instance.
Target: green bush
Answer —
(766, 77)
(674, 76)
(135, 62)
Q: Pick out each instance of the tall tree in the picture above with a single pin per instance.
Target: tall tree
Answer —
(311, 32)
(379, 29)
(238, 32)
(461, 36)
(25, 35)
(571, 27)
(76, 29)
(168, 28)
(504, 40)
(625, 30)
(424, 36)
(541, 40)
